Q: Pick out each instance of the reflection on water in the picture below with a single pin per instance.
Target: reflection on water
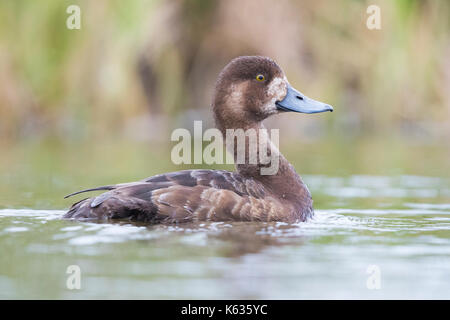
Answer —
(404, 232)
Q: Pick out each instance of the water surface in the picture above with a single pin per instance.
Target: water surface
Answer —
(398, 226)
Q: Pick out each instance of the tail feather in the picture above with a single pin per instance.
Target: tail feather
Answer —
(89, 190)
(80, 210)
(113, 207)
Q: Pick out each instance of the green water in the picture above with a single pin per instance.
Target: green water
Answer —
(388, 212)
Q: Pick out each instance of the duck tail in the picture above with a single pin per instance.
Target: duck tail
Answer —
(80, 209)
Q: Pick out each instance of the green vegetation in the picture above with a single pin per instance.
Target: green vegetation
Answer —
(145, 58)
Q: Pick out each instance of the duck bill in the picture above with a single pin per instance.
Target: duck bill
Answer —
(297, 102)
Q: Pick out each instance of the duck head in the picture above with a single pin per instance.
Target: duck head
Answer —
(251, 88)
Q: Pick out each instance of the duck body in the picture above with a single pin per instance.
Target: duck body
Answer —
(248, 90)
(193, 195)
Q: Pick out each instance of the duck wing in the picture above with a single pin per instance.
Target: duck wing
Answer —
(189, 195)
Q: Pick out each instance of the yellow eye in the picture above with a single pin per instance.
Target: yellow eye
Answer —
(260, 77)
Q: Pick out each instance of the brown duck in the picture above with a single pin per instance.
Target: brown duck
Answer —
(249, 89)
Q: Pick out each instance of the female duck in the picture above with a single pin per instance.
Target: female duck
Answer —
(249, 89)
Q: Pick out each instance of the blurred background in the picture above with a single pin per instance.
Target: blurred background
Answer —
(97, 105)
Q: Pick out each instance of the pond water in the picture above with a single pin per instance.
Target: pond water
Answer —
(372, 236)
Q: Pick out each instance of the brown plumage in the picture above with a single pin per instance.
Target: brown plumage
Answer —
(241, 101)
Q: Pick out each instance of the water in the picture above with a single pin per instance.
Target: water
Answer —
(372, 237)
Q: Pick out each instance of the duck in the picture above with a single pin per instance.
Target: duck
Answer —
(248, 90)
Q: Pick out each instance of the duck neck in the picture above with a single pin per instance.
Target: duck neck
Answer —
(253, 151)
(257, 157)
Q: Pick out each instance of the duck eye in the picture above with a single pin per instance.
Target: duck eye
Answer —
(260, 77)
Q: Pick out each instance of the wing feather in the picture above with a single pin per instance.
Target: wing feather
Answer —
(190, 195)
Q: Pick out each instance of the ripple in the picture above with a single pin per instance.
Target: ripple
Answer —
(366, 186)
(442, 206)
(16, 229)
(405, 212)
(40, 214)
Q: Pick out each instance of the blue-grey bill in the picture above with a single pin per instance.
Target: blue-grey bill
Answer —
(298, 102)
